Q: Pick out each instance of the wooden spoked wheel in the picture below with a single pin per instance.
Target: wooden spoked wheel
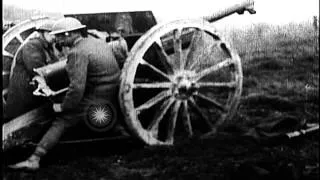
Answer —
(13, 40)
(181, 79)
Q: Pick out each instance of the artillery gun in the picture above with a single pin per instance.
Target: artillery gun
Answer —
(180, 79)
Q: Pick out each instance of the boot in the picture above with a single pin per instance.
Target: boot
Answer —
(30, 164)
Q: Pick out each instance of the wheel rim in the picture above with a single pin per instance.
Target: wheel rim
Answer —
(13, 40)
(194, 81)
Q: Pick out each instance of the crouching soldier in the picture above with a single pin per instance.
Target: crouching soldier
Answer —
(94, 75)
(37, 52)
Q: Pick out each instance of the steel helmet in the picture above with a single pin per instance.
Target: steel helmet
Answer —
(66, 24)
(46, 25)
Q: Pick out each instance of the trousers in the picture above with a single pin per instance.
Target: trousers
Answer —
(62, 123)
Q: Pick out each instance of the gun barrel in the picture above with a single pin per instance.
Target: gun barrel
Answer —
(55, 75)
(237, 8)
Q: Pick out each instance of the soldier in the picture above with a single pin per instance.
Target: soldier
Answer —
(125, 21)
(37, 52)
(94, 76)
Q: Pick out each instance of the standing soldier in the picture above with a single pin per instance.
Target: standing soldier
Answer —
(125, 21)
(94, 76)
(37, 52)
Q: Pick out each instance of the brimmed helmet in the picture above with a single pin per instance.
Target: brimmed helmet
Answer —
(46, 25)
(66, 24)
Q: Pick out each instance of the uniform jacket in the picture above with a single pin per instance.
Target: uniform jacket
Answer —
(34, 54)
(93, 73)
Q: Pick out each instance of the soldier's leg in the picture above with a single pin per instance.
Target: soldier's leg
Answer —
(63, 122)
(50, 139)
(53, 135)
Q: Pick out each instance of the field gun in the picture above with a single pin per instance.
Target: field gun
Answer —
(180, 78)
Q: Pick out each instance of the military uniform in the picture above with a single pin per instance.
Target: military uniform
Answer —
(34, 54)
(94, 76)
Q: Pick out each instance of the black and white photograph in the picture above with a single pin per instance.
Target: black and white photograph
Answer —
(160, 90)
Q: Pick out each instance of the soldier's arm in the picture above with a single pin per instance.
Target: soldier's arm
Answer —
(77, 71)
(33, 57)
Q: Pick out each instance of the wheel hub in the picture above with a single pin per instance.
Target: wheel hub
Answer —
(183, 87)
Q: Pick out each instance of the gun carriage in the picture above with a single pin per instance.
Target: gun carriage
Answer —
(180, 79)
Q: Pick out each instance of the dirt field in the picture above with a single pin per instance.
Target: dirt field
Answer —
(281, 82)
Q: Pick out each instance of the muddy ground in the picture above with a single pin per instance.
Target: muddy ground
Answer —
(281, 82)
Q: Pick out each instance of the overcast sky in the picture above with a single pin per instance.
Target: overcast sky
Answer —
(268, 11)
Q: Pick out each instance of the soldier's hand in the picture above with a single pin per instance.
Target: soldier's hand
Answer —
(57, 108)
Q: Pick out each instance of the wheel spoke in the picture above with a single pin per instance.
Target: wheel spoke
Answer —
(19, 38)
(186, 120)
(192, 52)
(213, 102)
(153, 101)
(6, 53)
(152, 85)
(177, 45)
(214, 68)
(164, 58)
(154, 124)
(201, 113)
(232, 84)
(143, 62)
(173, 121)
